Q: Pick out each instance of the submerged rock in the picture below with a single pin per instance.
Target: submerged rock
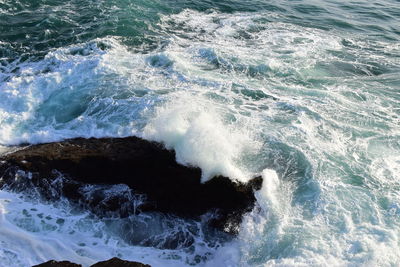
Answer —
(114, 262)
(53, 263)
(146, 167)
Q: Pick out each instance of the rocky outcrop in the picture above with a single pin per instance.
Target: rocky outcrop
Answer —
(114, 262)
(146, 167)
(54, 263)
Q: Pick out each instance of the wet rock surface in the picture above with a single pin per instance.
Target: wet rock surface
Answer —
(114, 262)
(145, 167)
(53, 263)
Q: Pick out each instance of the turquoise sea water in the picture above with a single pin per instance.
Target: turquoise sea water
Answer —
(306, 93)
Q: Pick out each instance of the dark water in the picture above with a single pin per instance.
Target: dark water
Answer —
(32, 28)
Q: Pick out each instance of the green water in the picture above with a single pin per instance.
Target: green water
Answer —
(309, 89)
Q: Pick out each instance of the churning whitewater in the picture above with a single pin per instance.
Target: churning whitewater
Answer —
(304, 93)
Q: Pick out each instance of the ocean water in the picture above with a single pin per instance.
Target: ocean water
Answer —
(304, 93)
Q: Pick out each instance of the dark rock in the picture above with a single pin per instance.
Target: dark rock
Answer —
(116, 262)
(146, 167)
(53, 263)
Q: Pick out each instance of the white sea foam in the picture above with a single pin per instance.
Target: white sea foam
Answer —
(199, 136)
(32, 232)
(270, 188)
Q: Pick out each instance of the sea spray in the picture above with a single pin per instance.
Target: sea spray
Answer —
(194, 129)
(270, 188)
